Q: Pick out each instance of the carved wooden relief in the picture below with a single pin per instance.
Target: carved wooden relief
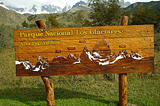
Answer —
(84, 50)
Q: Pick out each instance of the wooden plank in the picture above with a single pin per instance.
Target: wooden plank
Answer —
(93, 46)
(51, 46)
(120, 66)
(84, 33)
(33, 57)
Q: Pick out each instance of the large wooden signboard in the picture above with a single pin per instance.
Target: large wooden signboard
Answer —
(84, 50)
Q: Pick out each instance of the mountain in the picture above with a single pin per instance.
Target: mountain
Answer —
(37, 9)
(3, 5)
(40, 66)
(124, 4)
(84, 6)
(79, 6)
(51, 9)
(66, 8)
(10, 17)
(88, 59)
(18, 10)
(137, 5)
(81, 3)
(102, 55)
(40, 9)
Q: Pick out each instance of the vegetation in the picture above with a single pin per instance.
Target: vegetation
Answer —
(52, 22)
(25, 24)
(11, 18)
(6, 36)
(146, 15)
(105, 13)
(135, 6)
(87, 90)
(79, 19)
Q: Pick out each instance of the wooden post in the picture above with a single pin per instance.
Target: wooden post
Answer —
(49, 90)
(47, 79)
(123, 76)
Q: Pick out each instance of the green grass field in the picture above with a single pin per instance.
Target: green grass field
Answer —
(83, 90)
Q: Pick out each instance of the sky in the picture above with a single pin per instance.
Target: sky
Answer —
(60, 3)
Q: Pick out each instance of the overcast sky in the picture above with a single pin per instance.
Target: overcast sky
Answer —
(61, 3)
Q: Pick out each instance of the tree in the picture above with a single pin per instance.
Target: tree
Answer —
(52, 22)
(146, 15)
(86, 23)
(105, 12)
(79, 19)
(24, 24)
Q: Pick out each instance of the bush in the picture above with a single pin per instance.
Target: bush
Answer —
(146, 15)
(6, 36)
(157, 41)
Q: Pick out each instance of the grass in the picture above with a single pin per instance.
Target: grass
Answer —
(83, 90)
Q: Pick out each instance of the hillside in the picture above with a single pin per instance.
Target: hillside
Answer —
(82, 7)
(137, 5)
(67, 17)
(11, 18)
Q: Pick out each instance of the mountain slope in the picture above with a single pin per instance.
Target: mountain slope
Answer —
(3, 5)
(137, 5)
(11, 18)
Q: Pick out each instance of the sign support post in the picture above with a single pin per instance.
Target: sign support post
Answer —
(47, 79)
(123, 76)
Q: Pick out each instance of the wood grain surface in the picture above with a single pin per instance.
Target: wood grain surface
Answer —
(61, 51)
(123, 76)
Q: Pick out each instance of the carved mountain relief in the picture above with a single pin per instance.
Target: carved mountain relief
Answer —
(99, 60)
(102, 48)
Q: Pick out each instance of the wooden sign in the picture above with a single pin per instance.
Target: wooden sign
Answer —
(84, 50)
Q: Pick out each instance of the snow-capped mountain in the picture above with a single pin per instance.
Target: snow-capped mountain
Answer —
(40, 66)
(93, 56)
(51, 9)
(39, 9)
(3, 5)
(88, 59)
(79, 6)
(124, 4)
(81, 3)
(66, 8)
